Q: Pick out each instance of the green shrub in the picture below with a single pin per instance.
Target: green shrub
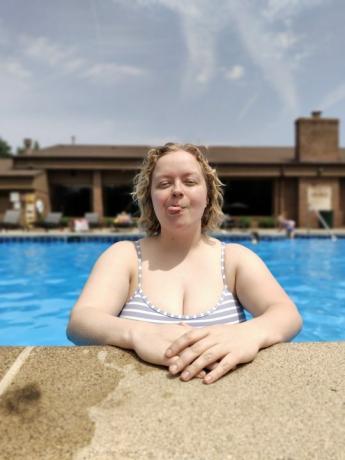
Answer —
(267, 222)
(244, 222)
(108, 221)
(65, 221)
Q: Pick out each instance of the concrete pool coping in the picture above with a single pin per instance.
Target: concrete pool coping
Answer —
(101, 402)
(271, 234)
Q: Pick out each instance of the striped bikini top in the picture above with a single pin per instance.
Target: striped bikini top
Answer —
(227, 311)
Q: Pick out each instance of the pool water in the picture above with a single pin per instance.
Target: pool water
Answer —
(40, 282)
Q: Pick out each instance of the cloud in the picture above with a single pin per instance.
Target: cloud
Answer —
(200, 23)
(247, 106)
(333, 97)
(268, 53)
(45, 50)
(109, 72)
(271, 50)
(236, 72)
(286, 40)
(14, 69)
(67, 60)
(275, 10)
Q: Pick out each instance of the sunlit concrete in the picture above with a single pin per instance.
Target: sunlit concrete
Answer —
(104, 403)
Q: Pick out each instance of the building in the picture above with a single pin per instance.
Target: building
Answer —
(260, 181)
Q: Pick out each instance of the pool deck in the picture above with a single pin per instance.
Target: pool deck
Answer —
(101, 402)
(271, 234)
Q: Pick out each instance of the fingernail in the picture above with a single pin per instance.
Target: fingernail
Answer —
(168, 352)
(173, 369)
(185, 375)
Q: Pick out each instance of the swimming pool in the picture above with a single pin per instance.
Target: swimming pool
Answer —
(40, 281)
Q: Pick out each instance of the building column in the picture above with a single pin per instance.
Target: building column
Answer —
(97, 199)
(278, 196)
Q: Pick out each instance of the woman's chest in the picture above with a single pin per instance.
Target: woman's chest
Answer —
(184, 290)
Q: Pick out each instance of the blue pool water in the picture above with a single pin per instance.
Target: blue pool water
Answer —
(39, 283)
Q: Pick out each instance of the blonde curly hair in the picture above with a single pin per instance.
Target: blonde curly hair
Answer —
(141, 194)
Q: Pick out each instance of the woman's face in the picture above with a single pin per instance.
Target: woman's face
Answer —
(178, 190)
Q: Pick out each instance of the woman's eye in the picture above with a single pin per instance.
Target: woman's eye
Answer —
(190, 182)
(163, 184)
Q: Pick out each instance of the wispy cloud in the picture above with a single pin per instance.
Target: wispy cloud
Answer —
(200, 23)
(247, 106)
(67, 60)
(109, 72)
(236, 72)
(286, 9)
(14, 69)
(268, 53)
(333, 97)
(45, 50)
(271, 48)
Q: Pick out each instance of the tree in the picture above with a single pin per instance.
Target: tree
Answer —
(5, 149)
(20, 151)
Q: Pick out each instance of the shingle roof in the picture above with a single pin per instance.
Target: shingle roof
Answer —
(20, 173)
(217, 154)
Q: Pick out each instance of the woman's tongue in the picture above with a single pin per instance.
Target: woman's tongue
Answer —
(174, 209)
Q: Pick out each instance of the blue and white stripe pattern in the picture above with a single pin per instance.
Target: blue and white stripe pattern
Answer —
(227, 311)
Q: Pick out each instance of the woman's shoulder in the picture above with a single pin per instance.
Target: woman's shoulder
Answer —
(123, 246)
(121, 251)
(236, 252)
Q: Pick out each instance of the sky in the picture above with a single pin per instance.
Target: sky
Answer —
(212, 72)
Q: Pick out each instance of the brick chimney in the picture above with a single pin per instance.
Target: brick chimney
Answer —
(27, 145)
(317, 138)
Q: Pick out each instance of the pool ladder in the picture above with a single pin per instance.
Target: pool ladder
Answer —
(324, 223)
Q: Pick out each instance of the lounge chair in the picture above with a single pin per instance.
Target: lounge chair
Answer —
(11, 219)
(52, 220)
(92, 219)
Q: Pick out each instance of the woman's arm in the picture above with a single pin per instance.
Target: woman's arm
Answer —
(89, 326)
(276, 318)
(223, 347)
(93, 319)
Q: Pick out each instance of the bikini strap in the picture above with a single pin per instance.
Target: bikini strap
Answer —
(222, 262)
(138, 249)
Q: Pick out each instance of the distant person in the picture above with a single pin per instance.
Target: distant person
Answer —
(287, 225)
(255, 237)
(123, 220)
(39, 206)
(177, 296)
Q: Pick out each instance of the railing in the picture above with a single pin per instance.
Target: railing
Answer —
(324, 224)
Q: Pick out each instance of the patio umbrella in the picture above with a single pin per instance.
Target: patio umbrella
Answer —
(235, 208)
(238, 205)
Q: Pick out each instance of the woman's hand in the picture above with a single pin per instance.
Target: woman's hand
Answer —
(151, 340)
(220, 348)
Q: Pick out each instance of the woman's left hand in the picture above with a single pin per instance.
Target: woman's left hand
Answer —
(220, 348)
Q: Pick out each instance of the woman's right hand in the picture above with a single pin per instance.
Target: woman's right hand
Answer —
(150, 341)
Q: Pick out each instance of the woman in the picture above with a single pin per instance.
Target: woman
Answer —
(176, 297)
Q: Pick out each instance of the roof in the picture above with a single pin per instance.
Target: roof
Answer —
(215, 153)
(20, 172)
(82, 151)
(219, 154)
(6, 164)
(225, 154)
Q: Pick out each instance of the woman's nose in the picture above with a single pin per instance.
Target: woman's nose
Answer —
(177, 189)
